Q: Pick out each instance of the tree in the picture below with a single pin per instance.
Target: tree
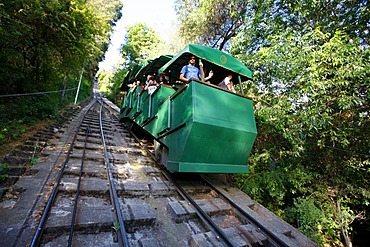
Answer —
(142, 43)
(211, 23)
(312, 111)
(43, 47)
(107, 13)
(43, 41)
(271, 17)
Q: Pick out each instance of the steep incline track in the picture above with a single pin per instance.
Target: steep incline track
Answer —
(152, 202)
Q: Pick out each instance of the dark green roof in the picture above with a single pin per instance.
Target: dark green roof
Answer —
(139, 72)
(212, 59)
(129, 76)
(152, 66)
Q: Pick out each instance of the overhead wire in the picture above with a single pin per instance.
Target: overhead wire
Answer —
(36, 93)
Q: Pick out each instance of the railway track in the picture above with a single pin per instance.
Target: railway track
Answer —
(79, 198)
(106, 190)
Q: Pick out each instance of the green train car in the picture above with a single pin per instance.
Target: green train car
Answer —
(197, 126)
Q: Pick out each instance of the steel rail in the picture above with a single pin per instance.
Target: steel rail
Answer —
(38, 232)
(216, 230)
(274, 240)
(112, 189)
(272, 237)
(24, 226)
(73, 220)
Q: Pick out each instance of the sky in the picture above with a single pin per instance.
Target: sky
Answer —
(157, 14)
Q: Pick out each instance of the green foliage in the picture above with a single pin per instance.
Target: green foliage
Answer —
(105, 81)
(34, 160)
(116, 226)
(211, 23)
(12, 128)
(85, 90)
(312, 113)
(110, 84)
(275, 186)
(115, 86)
(313, 220)
(107, 10)
(266, 18)
(142, 44)
(45, 40)
(3, 167)
(312, 110)
(44, 46)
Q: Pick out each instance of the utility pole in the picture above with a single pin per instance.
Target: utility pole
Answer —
(79, 84)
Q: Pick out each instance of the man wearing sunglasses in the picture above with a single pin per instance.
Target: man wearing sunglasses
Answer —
(191, 71)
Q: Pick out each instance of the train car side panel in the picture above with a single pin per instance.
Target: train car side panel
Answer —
(158, 120)
(207, 130)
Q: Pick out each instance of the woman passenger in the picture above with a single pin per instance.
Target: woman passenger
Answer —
(227, 84)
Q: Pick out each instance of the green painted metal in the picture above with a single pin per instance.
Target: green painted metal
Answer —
(215, 137)
(141, 73)
(129, 76)
(205, 128)
(220, 62)
(126, 104)
(142, 107)
(135, 106)
(152, 66)
(130, 103)
(154, 123)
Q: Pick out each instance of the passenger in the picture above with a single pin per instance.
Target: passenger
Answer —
(152, 85)
(227, 84)
(133, 83)
(191, 71)
(138, 83)
(147, 79)
(163, 80)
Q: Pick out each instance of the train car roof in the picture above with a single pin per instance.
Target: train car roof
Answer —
(139, 72)
(152, 66)
(212, 59)
(130, 75)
